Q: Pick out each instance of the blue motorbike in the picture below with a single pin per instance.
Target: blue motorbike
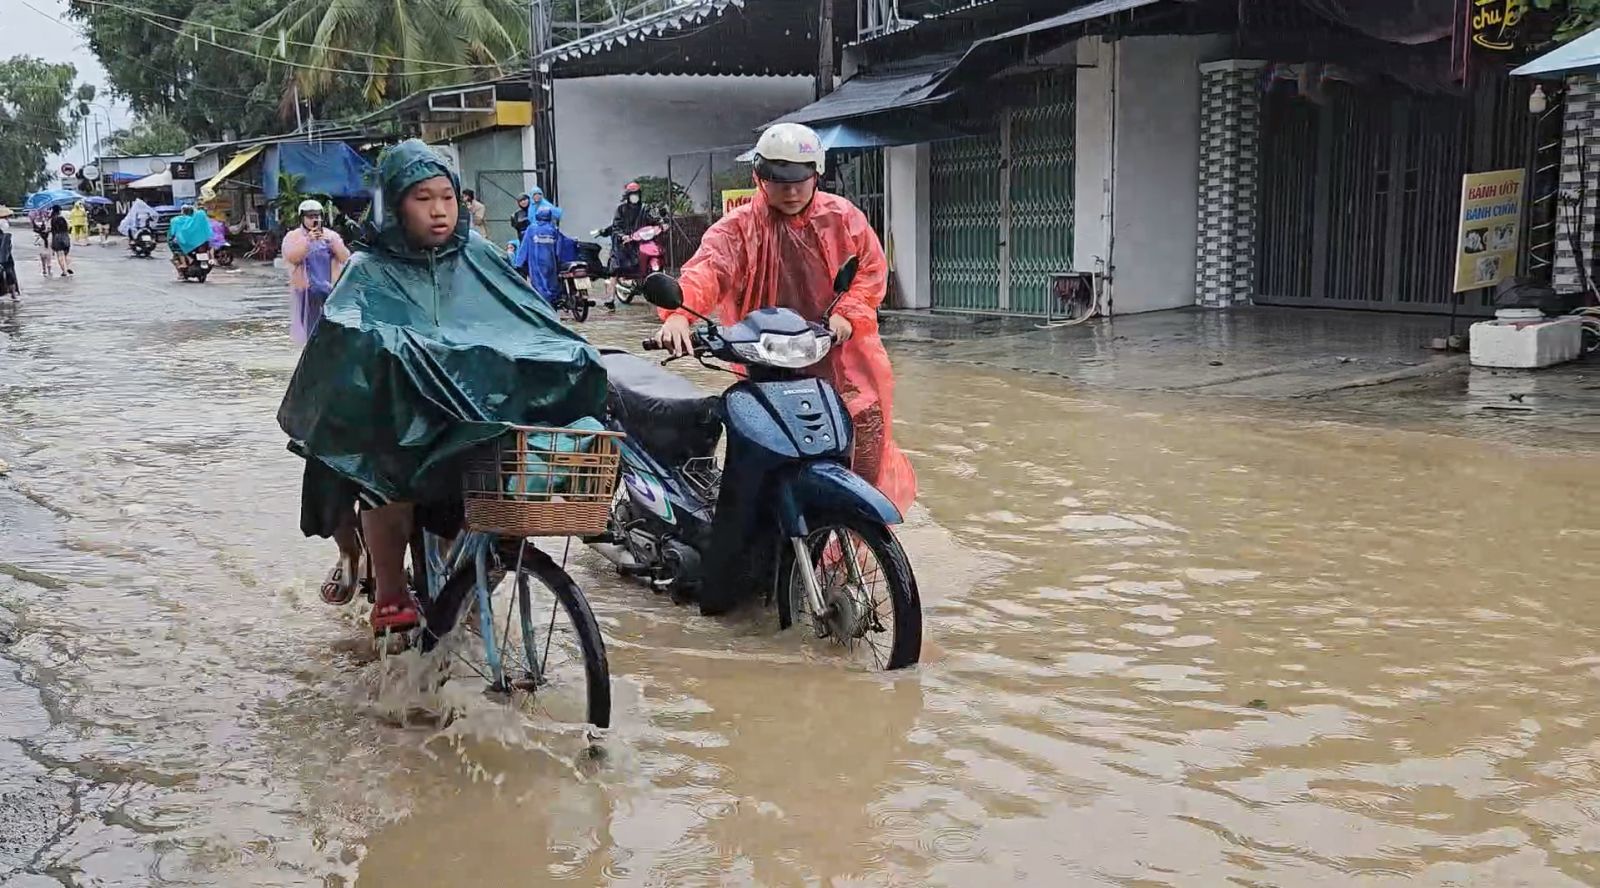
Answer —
(784, 514)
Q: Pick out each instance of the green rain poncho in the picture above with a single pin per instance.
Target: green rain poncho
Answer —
(422, 356)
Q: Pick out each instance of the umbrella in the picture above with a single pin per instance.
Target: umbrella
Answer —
(1582, 54)
(51, 197)
(97, 201)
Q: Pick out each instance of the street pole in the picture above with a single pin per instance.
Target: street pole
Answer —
(824, 48)
(543, 96)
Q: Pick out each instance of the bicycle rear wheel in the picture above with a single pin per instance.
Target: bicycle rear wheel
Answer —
(537, 643)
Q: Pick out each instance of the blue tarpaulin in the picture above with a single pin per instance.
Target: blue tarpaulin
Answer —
(331, 168)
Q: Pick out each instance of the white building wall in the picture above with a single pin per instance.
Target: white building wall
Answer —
(906, 170)
(613, 129)
(1092, 156)
(1157, 159)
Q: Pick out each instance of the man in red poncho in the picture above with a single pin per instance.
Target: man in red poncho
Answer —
(782, 250)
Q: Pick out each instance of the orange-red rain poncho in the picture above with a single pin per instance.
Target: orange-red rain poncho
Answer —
(756, 258)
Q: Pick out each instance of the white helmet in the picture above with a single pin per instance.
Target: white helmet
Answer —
(789, 152)
(310, 206)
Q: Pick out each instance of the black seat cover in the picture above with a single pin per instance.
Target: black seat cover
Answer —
(666, 414)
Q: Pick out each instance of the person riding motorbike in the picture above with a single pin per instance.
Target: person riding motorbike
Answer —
(187, 233)
(429, 346)
(630, 216)
(782, 250)
(540, 255)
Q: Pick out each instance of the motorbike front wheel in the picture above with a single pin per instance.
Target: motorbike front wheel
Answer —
(875, 612)
(625, 292)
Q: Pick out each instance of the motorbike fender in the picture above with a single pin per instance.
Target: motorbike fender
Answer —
(828, 487)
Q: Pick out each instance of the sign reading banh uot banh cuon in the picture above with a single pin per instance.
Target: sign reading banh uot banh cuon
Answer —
(1491, 222)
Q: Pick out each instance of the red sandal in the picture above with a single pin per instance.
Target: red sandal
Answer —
(394, 619)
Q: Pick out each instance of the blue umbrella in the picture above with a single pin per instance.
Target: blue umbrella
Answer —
(97, 201)
(51, 197)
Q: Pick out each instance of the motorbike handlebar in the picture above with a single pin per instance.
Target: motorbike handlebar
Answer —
(651, 345)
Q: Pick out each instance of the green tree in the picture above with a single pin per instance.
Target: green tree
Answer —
(1578, 17)
(154, 132)
(36, 120)
(395, 47)
(198, 62)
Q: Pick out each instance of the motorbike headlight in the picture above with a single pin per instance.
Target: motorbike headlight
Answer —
(790, 352)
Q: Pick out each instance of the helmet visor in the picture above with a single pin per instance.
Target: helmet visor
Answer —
(784, 171)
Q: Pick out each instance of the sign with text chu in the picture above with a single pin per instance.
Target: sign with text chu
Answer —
(1491, 222)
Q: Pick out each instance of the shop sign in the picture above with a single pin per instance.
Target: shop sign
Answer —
(1494, 22)
(1491, 224)
(733, 198)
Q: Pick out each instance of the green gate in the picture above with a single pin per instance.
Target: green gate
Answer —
(1041, 173)
(964, 231)
(1002, 205)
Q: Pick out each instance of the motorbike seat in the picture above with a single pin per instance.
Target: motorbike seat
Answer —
(671, 417)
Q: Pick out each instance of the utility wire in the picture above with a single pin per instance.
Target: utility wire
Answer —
(149, 15)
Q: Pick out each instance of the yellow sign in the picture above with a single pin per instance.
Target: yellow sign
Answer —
(733, 198)
(1494, 22)
(1491, 223)
(506, 114)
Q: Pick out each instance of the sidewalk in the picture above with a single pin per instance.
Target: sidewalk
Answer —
(1367, 365)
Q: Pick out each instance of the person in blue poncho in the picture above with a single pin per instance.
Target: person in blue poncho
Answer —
(529, 203)
(429, 347)
(187, 233)
(540, 255)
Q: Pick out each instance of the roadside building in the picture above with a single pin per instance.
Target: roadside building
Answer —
(1205, 152)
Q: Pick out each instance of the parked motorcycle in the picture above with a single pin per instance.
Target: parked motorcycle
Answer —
(143, 243)
(574, 296)
(649, 261)
(784, 513)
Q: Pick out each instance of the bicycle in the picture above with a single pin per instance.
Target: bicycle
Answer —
(539, 483)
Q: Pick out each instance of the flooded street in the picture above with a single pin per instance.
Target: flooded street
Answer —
(1173, 640)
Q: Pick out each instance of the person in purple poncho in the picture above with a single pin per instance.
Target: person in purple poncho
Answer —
(315, 256)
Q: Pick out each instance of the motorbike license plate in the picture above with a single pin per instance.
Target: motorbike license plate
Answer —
(582, 284)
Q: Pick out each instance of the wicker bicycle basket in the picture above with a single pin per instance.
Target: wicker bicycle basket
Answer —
(536, 481)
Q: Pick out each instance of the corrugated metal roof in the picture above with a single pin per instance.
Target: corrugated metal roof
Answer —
(900, 85)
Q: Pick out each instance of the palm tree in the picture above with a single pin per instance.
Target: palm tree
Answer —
(395, 46)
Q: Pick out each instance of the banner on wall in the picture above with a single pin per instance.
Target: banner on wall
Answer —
(734, 198)
(1491, 224)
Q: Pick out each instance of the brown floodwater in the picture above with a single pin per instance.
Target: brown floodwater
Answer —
(1172, 641)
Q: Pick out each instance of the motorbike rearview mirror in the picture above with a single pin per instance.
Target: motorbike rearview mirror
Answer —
(846, 275)
(841, 283)
(662, 291)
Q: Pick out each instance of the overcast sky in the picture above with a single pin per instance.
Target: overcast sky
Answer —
(56, 38)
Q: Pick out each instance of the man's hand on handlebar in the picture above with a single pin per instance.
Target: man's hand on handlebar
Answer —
(676, 336)
(841, 329)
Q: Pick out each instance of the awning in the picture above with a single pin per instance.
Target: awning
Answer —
(878, 133)
(890, 88)
(162, 179)
(208, 191)
(991, 55)
(1582, 54)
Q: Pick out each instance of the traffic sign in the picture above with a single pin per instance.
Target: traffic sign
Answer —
(68, 171)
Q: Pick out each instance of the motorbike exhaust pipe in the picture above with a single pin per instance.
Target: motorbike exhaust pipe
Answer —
(619, 556)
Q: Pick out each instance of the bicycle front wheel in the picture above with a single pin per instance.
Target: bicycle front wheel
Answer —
(560, 661)
(534, 641)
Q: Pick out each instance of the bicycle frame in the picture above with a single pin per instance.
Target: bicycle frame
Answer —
(443, 563)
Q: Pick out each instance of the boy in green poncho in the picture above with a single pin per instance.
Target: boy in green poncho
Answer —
(429, 346)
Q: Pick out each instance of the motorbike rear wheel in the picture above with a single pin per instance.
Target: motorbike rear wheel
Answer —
(863, 564)
(625, 292)
(579, 303)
